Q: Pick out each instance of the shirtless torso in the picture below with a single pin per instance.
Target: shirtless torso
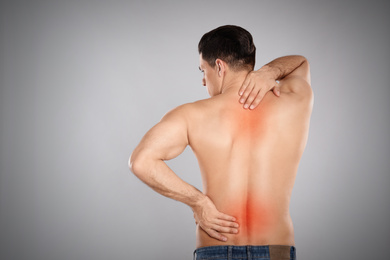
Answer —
(249, 160)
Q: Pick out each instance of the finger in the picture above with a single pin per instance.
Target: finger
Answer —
(246, 93)
(257, 101)
(214, 234)
(244, 85)
(252, 96)
(276, 91)
(225, 229)
(226, 217)
(225, 223)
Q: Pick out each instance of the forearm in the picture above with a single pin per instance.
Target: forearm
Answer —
(283, 66)
(157, 175)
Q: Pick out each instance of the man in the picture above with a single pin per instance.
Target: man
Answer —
(248, 153)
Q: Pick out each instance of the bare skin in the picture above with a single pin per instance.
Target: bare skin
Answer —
(248, 157)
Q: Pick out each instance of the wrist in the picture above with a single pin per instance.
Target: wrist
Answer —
(197, 200)
(272, 71)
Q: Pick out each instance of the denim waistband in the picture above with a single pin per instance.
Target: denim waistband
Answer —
(246, 252)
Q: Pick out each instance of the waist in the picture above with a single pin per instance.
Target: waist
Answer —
(280, 232)
(246, 252)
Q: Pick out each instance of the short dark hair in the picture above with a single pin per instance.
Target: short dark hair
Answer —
(230, 43)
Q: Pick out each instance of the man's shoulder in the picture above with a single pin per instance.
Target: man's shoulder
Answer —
(190, 110)
(197, 106)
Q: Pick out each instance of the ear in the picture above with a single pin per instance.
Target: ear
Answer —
(221, 66)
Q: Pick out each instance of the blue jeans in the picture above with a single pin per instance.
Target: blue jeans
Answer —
(272, 252)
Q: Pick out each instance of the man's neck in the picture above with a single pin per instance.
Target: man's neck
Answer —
(233, 81)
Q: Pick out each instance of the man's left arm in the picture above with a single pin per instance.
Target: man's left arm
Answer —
(258, 83)
(165, 141)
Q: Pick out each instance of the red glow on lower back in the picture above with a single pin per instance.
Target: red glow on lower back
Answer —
(254, 217)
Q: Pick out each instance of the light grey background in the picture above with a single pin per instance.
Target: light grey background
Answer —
(82, 81)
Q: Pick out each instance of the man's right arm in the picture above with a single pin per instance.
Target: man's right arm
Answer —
(165, 141)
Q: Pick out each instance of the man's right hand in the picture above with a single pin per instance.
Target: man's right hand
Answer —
(256, 85)
(213, 222)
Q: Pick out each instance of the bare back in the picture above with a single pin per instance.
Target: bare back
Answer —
(249, 160)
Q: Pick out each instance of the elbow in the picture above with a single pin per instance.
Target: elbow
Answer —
(298, 58)
(302, 58)
(136, 164)
(306, 65)
(130, 163)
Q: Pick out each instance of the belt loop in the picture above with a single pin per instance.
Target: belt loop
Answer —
(194, 258)
(248, 252)
(293, 253)
(229, 253)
